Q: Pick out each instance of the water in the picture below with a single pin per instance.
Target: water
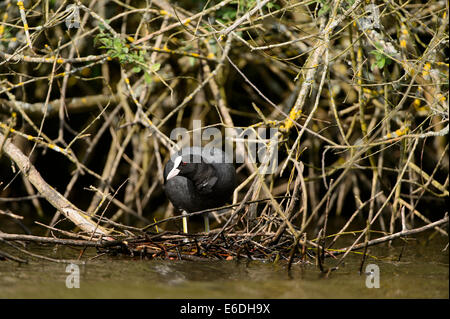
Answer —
(422, 272)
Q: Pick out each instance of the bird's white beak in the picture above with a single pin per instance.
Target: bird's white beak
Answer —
(174, 172)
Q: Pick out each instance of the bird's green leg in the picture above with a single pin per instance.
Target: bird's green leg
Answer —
(206, 219)
(185, 227)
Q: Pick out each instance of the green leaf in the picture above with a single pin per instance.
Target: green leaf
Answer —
(148, 78)
(117, 44)
(273, 5)
(324, 10)
(376, 53)
(380, 60)
(136, 69)
(155, 67)
(107, 42)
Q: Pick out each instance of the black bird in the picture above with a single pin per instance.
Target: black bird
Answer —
(199, 178)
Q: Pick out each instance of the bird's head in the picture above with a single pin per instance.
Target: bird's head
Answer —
(182, 168)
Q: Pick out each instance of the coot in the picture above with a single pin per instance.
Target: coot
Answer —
(199, 178)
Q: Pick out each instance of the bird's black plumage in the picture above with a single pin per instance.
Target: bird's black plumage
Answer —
(204, 179)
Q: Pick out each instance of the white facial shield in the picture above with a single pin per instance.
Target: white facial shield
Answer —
(174, 171)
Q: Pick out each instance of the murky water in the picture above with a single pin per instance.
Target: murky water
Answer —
(422, 272)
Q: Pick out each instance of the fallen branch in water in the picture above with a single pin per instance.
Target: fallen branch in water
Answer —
(57, 241)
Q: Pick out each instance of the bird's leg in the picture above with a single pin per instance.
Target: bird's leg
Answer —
(185, 227)
(206, 219)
